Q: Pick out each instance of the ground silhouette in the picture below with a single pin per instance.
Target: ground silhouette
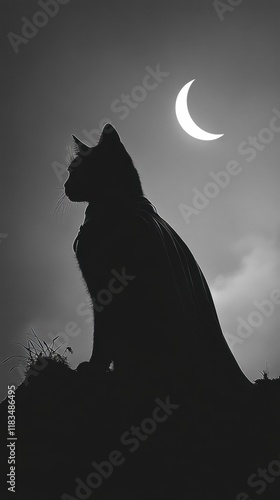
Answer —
(66, 421)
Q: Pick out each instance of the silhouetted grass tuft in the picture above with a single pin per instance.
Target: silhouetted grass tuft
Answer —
(39, 354)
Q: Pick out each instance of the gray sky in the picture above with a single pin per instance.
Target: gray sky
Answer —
(72, 73)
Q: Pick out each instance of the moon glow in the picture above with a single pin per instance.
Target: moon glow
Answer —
(185, 119)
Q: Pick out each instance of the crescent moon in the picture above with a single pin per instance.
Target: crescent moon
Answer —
(185, 119)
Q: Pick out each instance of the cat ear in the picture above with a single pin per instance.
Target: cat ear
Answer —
(110, 135)
(79, 147)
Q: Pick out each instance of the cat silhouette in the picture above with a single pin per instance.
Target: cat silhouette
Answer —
(153, 310)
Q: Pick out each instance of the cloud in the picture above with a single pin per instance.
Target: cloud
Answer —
(234, 295)
(256, 277)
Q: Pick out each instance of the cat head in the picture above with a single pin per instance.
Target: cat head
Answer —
(96, 172)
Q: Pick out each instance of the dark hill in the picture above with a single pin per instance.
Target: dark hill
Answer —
(201, 450)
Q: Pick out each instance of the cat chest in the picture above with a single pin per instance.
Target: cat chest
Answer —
(96, 258)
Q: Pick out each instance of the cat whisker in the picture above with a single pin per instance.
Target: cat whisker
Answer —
(60, 196)
(59, 199)
(58, 204)
(65, 208)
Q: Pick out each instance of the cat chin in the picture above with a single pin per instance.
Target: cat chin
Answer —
(72, 197)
